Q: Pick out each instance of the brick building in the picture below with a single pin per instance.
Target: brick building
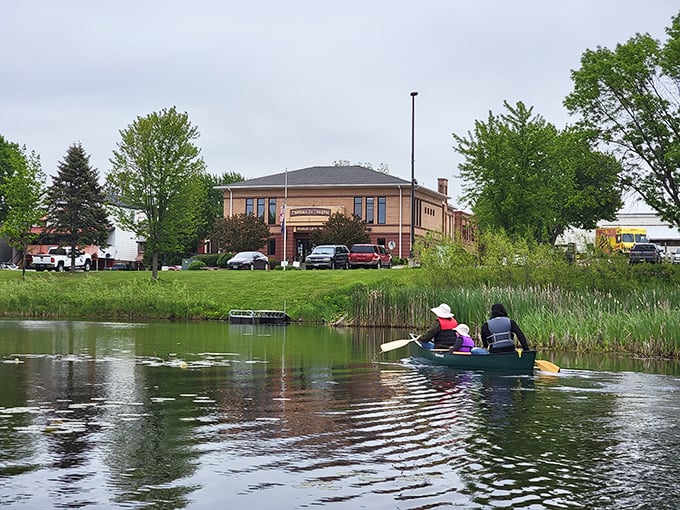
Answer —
(311, 195)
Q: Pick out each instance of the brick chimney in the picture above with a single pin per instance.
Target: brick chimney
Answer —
(443, 185)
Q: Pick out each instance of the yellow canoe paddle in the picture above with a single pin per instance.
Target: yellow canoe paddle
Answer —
(543, 365)
(546, 366)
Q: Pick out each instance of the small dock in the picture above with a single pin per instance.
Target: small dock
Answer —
(258, 317)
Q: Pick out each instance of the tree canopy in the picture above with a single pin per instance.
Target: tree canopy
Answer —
(525, 177)
(340, 229)
(630, 98)
(24, 192)
(11, 159)
(241, 232)
(157, 169)
(75, 203)
(213, 207)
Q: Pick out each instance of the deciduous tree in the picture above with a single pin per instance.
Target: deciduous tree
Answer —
(24, 192)
(525, 177)
(630, 97)
(242, 232)
(340, 229)
(11, 158)
(213, 207)
(157, 169)
(76, 203)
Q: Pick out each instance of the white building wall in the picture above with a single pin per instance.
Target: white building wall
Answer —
(658, 232)
(122, 243)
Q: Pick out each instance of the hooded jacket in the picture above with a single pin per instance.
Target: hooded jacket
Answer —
(498, 329)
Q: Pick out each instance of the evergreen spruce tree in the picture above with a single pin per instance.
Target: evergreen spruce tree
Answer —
(76, 210)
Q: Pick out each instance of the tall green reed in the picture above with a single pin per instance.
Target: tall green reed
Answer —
(643, 321)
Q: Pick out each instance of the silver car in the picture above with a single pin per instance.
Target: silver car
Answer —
(675, 257)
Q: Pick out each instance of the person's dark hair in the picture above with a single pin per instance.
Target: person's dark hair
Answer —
(498, 310)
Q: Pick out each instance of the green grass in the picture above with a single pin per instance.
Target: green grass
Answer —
(640, 317)
(184, 295)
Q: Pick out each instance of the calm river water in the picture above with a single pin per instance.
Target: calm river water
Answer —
(208, 415)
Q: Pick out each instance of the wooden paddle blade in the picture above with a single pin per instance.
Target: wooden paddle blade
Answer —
(547, 366)
(395, 344)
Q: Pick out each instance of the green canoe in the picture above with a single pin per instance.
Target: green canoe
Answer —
(507, 362)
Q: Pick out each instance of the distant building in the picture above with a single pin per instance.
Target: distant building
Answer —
(311, 195)
(658, 231)
(121, 245)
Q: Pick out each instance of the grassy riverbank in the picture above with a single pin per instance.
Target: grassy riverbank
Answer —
(625, 316)
(187, 295)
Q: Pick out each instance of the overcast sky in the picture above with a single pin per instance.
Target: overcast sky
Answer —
(287, 84)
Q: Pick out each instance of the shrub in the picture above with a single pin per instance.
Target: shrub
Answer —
(223, 258)
(209, 259)
(196, 264)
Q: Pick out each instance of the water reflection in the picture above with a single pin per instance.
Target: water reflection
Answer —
(112, 415)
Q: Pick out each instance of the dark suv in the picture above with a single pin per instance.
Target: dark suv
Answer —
(644, 252)
(369, 255)
(329, 256)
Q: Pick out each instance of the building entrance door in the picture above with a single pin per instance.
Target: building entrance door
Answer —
(304, 248)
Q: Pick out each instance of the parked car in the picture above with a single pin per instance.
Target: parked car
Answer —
(369, 255)
(8, 265)
(120, 266)
(675, 256)
(328, 256)
(248, 260)
(644, 252)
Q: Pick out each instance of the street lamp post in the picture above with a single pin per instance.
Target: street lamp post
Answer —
(413, 179)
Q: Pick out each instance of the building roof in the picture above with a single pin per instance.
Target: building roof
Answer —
(319, 176)
(662, 233)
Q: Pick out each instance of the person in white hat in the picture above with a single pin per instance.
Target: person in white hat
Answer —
(441, 334)
(464, 343)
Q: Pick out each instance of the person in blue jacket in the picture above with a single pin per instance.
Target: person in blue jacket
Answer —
(498, 331)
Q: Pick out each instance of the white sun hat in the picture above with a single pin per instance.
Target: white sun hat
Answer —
(463, 329)
(443, 311)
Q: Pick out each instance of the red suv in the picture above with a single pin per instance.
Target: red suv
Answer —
(369, 255)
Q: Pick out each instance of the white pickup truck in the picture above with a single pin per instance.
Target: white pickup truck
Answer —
(59, 259)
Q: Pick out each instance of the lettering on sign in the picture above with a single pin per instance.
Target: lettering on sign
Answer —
(310, 211)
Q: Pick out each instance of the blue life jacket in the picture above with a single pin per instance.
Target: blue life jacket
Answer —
(500, 338)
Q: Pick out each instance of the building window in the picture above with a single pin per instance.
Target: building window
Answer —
(271, 217)
(271, 246)
(260, 208)
(418, 212)
(357, 206)
(369, 210)
(382, 210)
(381, 241)
(249, 206)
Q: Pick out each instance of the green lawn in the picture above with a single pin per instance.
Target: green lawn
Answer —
(184, 294)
